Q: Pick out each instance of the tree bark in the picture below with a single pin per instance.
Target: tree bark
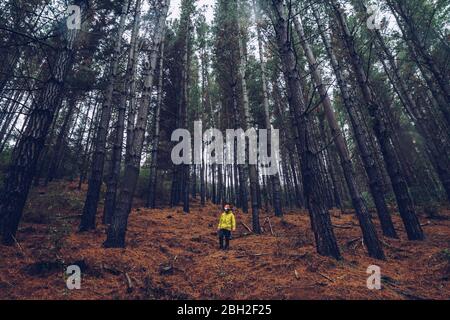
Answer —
(117, 229)
(370, 236)
(274, 178)
(253, 175)
(98, 160)
(361, 137)
(28, 149)
(116, 156)
(151, 199)
(312, 182)
(404, 201)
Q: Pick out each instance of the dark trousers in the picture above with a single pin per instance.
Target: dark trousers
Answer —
(224, 234)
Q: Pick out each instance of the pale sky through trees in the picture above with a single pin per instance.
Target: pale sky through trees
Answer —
(174, 11)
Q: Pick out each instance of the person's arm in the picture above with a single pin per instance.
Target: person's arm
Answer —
(233, 222)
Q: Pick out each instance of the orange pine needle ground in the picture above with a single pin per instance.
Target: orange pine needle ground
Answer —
(280, 266)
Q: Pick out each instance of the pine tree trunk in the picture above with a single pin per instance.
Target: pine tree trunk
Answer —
(117, 229)
(371, 240)
(410, 33)
(438, 142)
(361, 136)
(241, 183)
(116, 156)
(252, 167)
(151, 200)
(274, 178)
(312, 182)
(88, 145)
(21, 172)
(98, 161)
(404, 201)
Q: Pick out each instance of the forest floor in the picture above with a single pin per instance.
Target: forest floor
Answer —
(171, 255)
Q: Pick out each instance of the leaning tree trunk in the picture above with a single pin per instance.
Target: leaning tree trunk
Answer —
(28, 149)
(371, 240)
(312, 182)
(438, 142)
(116, 157)
(401, 191)
(411, 34)
(361, 136)
(117, 229)
(98, 161)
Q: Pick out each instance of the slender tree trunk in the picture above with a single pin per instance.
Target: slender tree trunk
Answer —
(240, 178)
(88, 145)
(21, 172)
(151, 200)
(438, 142)
(98, 161)
(8, 127)
(361, 137)
(274, 178)
(404, 201)
(117, 229)
(371, 240)
(411, 34)
(116, 156)
(252, 167)
(312, 182)
(299, 200)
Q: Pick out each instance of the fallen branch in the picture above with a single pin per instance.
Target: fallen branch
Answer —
(342, 226)
(296, 256)
(111, 270)
(326, 277)
(297, 276)
(246, 227)
(129, 283)
(19, 246)
(270, 225)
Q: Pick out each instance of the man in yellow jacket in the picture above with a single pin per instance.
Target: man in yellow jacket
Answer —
(227, 223)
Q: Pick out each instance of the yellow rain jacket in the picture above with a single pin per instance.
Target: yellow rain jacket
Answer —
(227, 221)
